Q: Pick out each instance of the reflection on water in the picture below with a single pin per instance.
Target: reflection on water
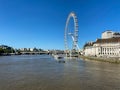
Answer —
(42, 72)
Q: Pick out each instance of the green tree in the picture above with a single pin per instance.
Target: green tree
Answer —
(1, 51)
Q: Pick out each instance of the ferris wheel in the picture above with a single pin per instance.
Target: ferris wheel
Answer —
(73, 34)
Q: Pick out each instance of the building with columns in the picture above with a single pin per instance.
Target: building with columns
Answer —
(107, 46)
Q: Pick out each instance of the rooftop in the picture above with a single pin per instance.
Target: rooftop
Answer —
(108, 40)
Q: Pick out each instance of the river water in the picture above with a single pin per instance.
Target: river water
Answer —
(43, 72)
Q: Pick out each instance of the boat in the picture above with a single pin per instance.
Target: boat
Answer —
(59, 58)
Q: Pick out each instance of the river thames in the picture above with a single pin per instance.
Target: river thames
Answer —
(43, 72)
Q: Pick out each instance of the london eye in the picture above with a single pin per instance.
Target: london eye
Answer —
(71, 34)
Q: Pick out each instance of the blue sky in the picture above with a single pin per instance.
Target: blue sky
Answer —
(41, 23)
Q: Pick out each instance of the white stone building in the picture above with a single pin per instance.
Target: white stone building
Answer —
(110, 34)
(107, 46)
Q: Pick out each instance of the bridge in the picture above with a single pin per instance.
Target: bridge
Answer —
(32, 53)
(43, 52)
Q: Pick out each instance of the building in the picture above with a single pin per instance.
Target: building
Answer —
(23, 49)
(31, 49)
(107, 46)
(110, 34)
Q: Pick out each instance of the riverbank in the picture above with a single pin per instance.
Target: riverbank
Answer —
(109, 60)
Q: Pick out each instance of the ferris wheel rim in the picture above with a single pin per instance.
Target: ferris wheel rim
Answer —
(71, 15)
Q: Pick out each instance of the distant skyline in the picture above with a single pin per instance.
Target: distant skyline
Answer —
(41, 23)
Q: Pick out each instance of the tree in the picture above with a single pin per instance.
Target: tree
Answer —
(1, 51)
